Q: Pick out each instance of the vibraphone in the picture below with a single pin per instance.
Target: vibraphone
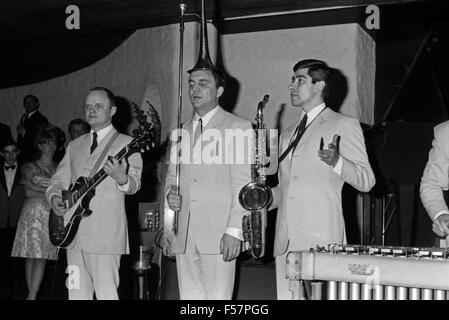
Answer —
(358, 272)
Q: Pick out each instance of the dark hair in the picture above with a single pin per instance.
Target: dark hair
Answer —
(319, 71)
(109, 94)
(9, 142)
(44, 134)
(220, 78)
(36, 100)
(81, 122)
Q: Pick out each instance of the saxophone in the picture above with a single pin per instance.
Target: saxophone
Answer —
(256, 195)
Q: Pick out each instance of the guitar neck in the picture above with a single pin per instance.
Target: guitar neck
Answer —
(97, 178)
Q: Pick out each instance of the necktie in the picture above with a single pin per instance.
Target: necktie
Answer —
(198, 131)
(299, 131)
(94, 142)
(10, 167)
(24, 119)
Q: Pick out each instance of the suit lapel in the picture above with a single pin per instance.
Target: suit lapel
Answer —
(16, 181)
(102, 144)
(217, 120)
(217, 123)
(2, 177)
(17, 178)
(314, 126)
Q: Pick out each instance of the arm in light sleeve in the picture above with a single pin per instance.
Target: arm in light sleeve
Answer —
(339, 166)
(240, 176)
(435, 176)
(440, 214)
(62, 178)
(356, 169)
(134, 175)
(235, 232)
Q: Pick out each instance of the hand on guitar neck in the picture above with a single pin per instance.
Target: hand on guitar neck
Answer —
(116, 170)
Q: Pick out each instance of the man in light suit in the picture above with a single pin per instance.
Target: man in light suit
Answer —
(308, 196)
(103, 236)
(12, 196)
(435, 181)
(210, 218)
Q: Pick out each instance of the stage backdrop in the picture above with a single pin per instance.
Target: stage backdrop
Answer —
(145, 69)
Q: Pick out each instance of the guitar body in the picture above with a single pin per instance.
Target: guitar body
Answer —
(61, 232)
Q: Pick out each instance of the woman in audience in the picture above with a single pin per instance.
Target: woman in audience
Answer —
(32, 240)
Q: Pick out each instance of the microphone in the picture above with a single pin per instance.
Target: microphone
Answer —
(182, 6)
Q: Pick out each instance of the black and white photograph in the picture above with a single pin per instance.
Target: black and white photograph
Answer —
(218, 158)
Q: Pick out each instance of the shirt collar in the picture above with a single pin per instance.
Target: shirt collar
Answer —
(205, 119)
(102, 133)
(14, 164)
(312, 114)
(31, 113)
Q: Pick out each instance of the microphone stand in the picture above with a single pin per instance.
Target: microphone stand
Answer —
(182, 7)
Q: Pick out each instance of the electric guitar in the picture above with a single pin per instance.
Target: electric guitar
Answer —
(62, 229)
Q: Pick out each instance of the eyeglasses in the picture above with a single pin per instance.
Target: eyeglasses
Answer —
(48, 142)
(96, 107)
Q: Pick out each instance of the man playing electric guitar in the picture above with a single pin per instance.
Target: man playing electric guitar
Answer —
(102, 237)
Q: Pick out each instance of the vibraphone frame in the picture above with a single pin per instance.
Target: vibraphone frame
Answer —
(358, 272)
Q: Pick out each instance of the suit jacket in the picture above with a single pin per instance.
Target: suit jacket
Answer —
(5, 134)
(210, 191)
(10, 207)
(308, 196)
(26, 141)
(435, 176)
(105, 231)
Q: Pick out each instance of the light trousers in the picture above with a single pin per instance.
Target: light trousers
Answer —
(204, 276)
(90, 273)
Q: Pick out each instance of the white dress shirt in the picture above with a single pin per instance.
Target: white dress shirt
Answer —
(100, 136)
(9, 177)
(311, 115)
(205, 119)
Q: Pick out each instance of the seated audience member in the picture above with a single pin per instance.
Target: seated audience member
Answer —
(32, 240)
(12, 196)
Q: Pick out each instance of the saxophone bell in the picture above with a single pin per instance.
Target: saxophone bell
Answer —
(255, 196)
